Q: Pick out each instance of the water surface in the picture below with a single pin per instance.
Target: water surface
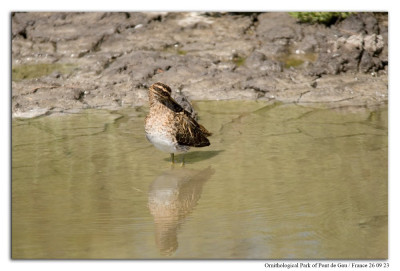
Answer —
(278, 182)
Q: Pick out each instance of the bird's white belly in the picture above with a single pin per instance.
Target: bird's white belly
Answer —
(165, 144)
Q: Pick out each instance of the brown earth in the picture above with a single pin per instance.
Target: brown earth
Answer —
(63, 62)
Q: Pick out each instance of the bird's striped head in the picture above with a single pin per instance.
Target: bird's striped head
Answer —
(160, 90)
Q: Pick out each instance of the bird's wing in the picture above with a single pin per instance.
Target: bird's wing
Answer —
(189, 132)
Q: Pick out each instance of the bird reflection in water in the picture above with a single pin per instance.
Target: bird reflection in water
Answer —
(172, 196)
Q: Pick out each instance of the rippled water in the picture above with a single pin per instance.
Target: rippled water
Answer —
(277, 182)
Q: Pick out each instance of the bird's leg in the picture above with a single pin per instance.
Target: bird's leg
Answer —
(172, 158)
(183, 160)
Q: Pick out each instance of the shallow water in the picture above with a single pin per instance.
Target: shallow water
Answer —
(277, 182)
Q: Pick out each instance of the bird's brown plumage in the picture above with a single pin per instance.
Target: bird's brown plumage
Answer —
(186, 130)
(189, 132)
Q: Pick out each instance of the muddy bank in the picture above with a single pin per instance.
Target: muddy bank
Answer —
(63, 62)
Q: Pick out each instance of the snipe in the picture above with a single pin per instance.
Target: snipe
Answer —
(169, 127)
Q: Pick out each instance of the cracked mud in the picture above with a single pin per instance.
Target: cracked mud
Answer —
(65, 62)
